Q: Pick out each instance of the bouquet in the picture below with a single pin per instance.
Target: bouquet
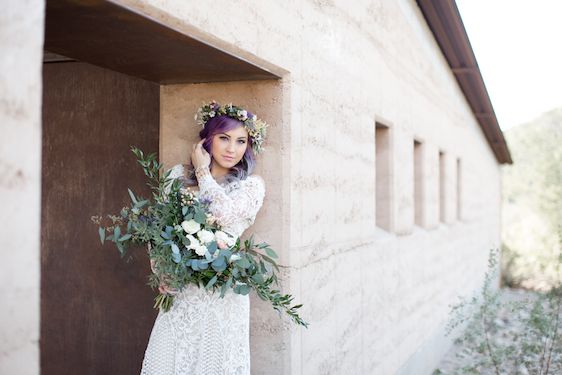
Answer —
(187, 245)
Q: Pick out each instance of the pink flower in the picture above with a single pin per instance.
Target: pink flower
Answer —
(165, 289)
(222, 245)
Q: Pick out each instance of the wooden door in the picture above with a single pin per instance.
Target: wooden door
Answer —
(96, 310)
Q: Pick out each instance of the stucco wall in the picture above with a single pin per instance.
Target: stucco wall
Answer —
(376, 300)
(21, 43)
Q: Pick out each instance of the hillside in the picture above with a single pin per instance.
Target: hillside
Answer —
(532, 192)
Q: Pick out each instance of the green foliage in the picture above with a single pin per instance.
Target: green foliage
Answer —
(532, 206)
(535, 348)
(157, 223)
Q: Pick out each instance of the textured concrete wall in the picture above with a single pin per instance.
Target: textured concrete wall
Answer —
(376, 300)
(21, 43)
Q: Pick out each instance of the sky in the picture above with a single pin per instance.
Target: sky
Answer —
(518, 46)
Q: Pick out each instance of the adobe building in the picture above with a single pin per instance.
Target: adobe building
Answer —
(382, 170)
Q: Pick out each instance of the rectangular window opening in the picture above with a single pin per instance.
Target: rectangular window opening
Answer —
(442, 184)
(383, 176)
(459, 190)
(418, 183)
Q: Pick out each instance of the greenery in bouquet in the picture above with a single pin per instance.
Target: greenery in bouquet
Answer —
(186, 244)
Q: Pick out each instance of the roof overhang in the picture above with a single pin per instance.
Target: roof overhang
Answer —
(109, 35)
(445, 22)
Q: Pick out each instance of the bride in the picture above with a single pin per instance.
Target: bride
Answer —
(204, 333)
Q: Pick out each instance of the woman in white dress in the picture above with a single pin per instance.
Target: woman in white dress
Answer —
(203, 333)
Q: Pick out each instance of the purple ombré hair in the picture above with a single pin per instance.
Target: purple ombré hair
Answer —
(222, 124)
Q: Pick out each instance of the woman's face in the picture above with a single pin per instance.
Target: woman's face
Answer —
(228, 148)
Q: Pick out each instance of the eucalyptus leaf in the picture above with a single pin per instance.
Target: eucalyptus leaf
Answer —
(270, 252)
(211, 282)
(258, 278)
(219, 264)
(132, 195)
(223, 290)
(243, 262)
(141, 204)
(125, 237)
(195, 264)
(101, 232)
(225, 253)
(116, 234)
(212, 247)
(200, 217)
(208, 256)
(243, 289)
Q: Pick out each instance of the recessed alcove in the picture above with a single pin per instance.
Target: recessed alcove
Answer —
(112, 78)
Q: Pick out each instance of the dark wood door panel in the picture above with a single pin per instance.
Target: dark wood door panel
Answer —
(96, 311)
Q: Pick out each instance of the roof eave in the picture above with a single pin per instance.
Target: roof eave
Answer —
(445, 22)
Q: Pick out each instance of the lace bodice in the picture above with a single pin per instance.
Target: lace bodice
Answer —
(235, 204)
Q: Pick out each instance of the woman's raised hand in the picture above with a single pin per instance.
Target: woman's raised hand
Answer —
(199, 156)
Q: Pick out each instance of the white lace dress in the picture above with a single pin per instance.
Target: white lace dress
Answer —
(203, 333)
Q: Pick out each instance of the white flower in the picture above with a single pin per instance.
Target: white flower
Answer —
(234, 258)
(226, 238)
(243, 114)
(201, 250)
(212, 114)
(190, 226)
(254, 117)
(205, 236)
(193, 242)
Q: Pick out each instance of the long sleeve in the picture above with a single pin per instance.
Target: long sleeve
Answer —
(230, 208)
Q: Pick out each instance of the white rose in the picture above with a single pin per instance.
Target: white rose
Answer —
(193, 242)
(224, 237)
(234, 258)
(201, 250)
(205, 236)
(212, 114)
(190, 226)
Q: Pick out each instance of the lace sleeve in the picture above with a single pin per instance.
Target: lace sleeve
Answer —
(228, 209)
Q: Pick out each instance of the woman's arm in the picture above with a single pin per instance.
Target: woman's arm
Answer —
(228, 209)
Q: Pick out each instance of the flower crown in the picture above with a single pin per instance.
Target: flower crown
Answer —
(256, 128)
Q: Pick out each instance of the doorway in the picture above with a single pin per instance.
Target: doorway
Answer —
(95, 308)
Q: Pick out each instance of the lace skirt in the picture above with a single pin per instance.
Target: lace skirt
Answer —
(201, 334)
